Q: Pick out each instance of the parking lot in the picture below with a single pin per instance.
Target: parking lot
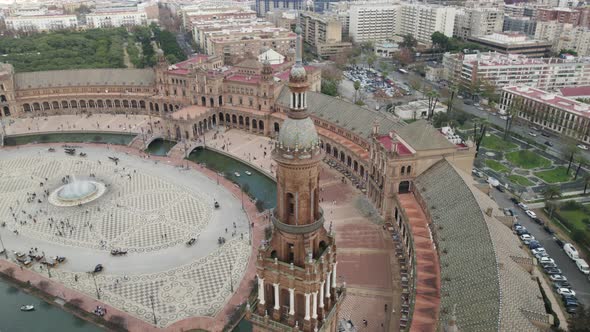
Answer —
(577, 280)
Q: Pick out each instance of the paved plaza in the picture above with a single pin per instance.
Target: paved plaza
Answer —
(149, 209)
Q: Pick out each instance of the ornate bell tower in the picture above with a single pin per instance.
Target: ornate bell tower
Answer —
(296, 267)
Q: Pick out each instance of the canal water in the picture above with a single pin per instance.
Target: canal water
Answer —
(258, 185)
(110, 138)
(160, 147)
(45, 318)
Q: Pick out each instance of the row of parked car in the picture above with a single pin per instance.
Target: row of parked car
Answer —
(560, 284)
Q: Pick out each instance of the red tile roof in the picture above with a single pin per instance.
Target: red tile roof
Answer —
(577, 91)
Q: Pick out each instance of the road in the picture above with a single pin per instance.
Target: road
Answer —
(580, 283)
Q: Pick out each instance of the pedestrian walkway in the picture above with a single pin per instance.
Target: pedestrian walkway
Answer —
(427, 303)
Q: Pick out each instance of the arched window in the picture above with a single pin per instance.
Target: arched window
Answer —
(290, 203)
(36, 107)
(82, 103)
(26, 107)
(221, 117)
(409, 170)
(203, 101)
(3, 98)
(64, 104)
(241, 120)
(260, 125)
(254, 124)
(55, 105)
(234, 119)
(403, 172)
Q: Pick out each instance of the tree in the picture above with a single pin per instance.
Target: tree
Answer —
(551, 192)
(371, 58)
(357, 86)
(432, 101)
(404, 56)
(513, 109)
(415, 84)
(569, 152)
(439, 40)
(581, 162)
(384, 67)
(409, 42)
(330, 87)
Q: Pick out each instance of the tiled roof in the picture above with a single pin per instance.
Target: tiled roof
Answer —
(85, 77)
(423, 136)
(344, 114)
(480, 272)
(469, 272)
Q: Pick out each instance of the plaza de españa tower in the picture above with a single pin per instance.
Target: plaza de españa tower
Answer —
(296, 267)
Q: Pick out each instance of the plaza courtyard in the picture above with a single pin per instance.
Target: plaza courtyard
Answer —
(150, 209)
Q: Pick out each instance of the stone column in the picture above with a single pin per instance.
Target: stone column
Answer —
(314, 311)
(328, 285)
(261, 290)
(307, 306)
(277, 307)
(334, 275)
(291, 301)
(322, 295)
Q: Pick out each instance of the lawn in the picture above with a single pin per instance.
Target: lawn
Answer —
(521, 180)
(497, 166)
(577, 219)
(527, 159)
(494, 142)
(554, 175)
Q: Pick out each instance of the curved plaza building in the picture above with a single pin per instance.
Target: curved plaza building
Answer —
(460, 267)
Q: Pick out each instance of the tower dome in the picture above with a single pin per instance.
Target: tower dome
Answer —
(298, 134)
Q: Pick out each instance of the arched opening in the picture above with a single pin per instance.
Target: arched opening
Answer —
(349, 161)
(248, 122)
(254, 124)
(176, 107)
(91, 104)
(260, 125)
(214, 119)
(221, 120)
(117, 103)
(157, 107)
(273, 254)
(165, 107)
(36, 107)
(26, 107)
(203, 101)
(195, 130)
(355, 166)
(342, 156)
(109, 103)
(6, 111)
(234, 119)
(73, 104)
(277, 127)
(55, 105)
(395, 213)
(409, 170)
(321, 247)
(328, 148)
(151, 107)
(220, 101)
(126, 103)
(186, 134)
(46, 105)
(403, 170)
(64, 104)
(82, 104)
(362, 170)
(335, 152)
(211, 102)
(142, 104)
(100, 103)
(134, 104)
(241, 120)
(404, 187)
(3, 98)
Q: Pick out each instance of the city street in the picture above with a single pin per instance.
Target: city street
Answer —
(580, 283)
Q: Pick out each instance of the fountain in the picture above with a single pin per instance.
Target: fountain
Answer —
(77, 192)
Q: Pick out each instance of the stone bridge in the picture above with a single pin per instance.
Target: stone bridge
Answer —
(184, 148)
(138, 141)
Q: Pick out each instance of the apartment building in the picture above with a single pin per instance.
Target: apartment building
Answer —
(213, 11)
(234, 45)
(523, 9)
(323, 33)
(202, 27)
(549, 111)
(561, 15)
(514, 43)
(565, 36)
(421, 21)
(373, 21)
(41, 22)
(500, 70)
(286, 19)
(116, 17)
(472, 22)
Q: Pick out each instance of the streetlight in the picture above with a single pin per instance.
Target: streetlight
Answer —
(95, 285)
(153, 310)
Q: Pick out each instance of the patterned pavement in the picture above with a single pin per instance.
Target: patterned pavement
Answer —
(151, 210)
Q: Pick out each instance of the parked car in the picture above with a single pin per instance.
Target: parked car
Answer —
(566, 291)
(546, 134)
(548, 265)
(508, 212)
(538, 250)
(582, 146)
(523, 206)
(98, 268)
(572, 308)
(557, 277)
(522, 231)
(582, 266)
(571, 251)
(559, 242)
(518, 227)
(548, 229)
(561, 284)
(514, 200)
(552, 270)
(531, 214)
(526, 238)
(501, 188)
(546, 260)
(533, 245)
(532, 134)
(541, 255)
(548, 143)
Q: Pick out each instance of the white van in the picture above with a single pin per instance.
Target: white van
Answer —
(571, 251)
(583, 266)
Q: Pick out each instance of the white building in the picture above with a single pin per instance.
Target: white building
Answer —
(565, 36)
(41, 23)
(417, 110)
(116, 18)
(373, 22)
(500, 70)
(471, 22)
(421, 21)
(273, 57)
